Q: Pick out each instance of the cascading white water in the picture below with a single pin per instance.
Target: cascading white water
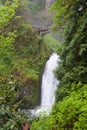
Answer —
(49, 82)
(49, 85)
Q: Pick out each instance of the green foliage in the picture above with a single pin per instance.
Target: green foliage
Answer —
(52, 43)
(45, 123)
(70, 113)
(6, 37)
(19, 47)
(10, 116)
(7, 12)
(12, 119)
(70, 109)
(73, 62)
(22, 57)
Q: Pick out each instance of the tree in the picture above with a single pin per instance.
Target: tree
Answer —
(7, 12)
(10, 116)
(71, 113)
(71, 15)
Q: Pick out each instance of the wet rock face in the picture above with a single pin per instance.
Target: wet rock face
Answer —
(49, 2)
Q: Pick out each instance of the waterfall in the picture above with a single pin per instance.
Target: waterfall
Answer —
(48, 87)
(49, 82)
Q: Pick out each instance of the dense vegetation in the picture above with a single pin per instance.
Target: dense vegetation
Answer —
(22, 58)
(52, 43)
(70, 109)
